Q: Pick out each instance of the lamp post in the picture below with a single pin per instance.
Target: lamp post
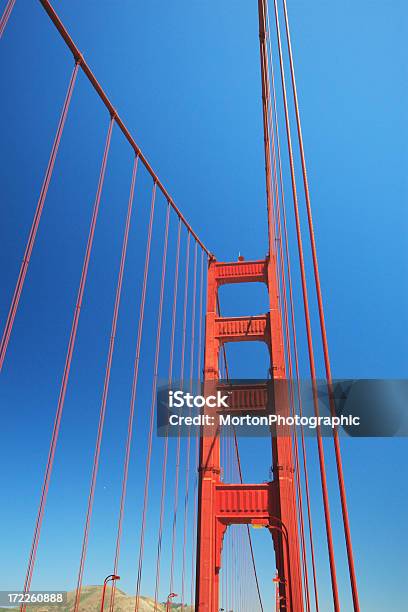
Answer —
(170, 596)
(278, 580)
(112, 577)
(282, 529)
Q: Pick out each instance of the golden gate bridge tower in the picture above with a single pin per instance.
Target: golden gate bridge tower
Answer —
(272, 505)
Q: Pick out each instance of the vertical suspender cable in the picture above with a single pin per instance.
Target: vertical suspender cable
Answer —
(177, 475)
(133, 394)
(152, 411)
(6, 16)
(105, 388)
(166, 441)
(289, 360)
(284, 304)
(251, 549)
(197, 449)
(67, 367)
(186, 280)
(292, 309)
(339, 465)
(241, 479)
(325, 494)
(187, 491)
(37, 217)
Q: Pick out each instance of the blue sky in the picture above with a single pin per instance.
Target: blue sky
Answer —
(185, 78)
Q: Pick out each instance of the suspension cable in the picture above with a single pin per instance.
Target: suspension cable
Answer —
(152, 412)
(112, 110)
(339, 465)
(133, 394)
(166, 441)
(299, 504)
(197, 449)
(323, 478)
(177, 476)
(187, 488)
(297, 379)
(37, 217)
(292, 310)
(105, 388)
(67, 367)
(6, 15)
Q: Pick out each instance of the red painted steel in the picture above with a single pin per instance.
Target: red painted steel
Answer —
(112, 110)
(241, 329)
(221, 505)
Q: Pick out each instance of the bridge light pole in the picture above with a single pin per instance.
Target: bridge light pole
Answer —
(170, 596)
(282, 529)
(278, 580)
(111, 577)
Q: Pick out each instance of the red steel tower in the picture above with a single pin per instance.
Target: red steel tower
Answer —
(270, 504)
